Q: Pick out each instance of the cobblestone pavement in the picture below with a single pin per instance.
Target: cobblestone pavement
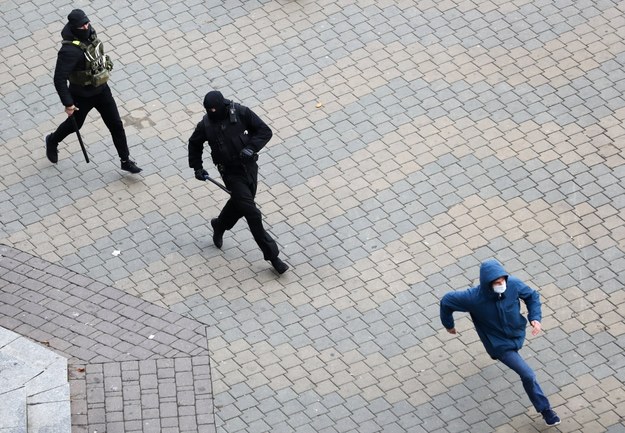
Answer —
(132, 366)
(412, 140)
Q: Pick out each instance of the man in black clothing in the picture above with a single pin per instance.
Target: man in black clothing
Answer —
(235, 134)
(82, 62)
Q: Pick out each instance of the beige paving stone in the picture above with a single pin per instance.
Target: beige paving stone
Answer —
(588, 419)
(608, 320)
(521, 423)
(608, 419)
(344, 199)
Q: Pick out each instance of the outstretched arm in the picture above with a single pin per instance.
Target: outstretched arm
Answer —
(196, 147)
(451, 302)
(534, 311)
(532, 301)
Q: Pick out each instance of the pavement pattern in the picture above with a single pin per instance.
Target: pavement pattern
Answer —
(132, 366)
(412, 140)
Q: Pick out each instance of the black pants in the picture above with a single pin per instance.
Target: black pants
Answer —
(242, 183)
(105, 104)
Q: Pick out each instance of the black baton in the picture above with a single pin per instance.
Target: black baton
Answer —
(82, 146)
(217, 183)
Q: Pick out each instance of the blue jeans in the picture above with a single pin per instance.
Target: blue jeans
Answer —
(513, 360)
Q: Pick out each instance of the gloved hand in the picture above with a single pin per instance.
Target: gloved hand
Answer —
(248, 154)
(201, 174)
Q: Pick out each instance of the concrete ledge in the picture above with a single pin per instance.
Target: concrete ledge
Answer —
(50, 417)
(33, 386)
(13, 411)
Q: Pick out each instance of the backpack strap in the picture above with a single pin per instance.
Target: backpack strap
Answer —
(233, 112)
(79, 44)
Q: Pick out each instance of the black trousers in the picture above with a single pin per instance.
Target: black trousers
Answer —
(242, 183)
(105, 104)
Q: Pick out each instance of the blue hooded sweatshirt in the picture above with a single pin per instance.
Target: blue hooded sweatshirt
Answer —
(497, 317)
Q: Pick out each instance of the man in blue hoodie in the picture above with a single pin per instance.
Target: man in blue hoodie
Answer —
(495, 309)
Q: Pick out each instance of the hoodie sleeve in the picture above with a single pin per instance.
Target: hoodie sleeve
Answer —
(532, 301)
(66, 62)
(260, 133)
(451, 302)
(196, 146)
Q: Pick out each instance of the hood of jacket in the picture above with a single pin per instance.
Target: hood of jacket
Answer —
(490, 270)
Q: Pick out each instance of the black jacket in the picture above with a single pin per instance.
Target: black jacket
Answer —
(72, 58)
(258, 135)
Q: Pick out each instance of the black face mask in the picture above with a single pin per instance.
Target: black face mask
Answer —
(83, 34)
(215, 100)
(218, 115)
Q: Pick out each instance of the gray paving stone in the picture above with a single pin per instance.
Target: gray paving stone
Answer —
(390, 36)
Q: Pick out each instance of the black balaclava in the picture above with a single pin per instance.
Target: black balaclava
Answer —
(76, 19)
(214, 99)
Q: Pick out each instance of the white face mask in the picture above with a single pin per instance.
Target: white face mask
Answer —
(499, 288)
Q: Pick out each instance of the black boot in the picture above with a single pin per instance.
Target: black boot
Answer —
(51, 149)
(218, 234)
(130, 166)
(279, 265)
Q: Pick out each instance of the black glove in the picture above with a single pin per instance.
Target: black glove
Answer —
(248, 154)
(201, 174)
